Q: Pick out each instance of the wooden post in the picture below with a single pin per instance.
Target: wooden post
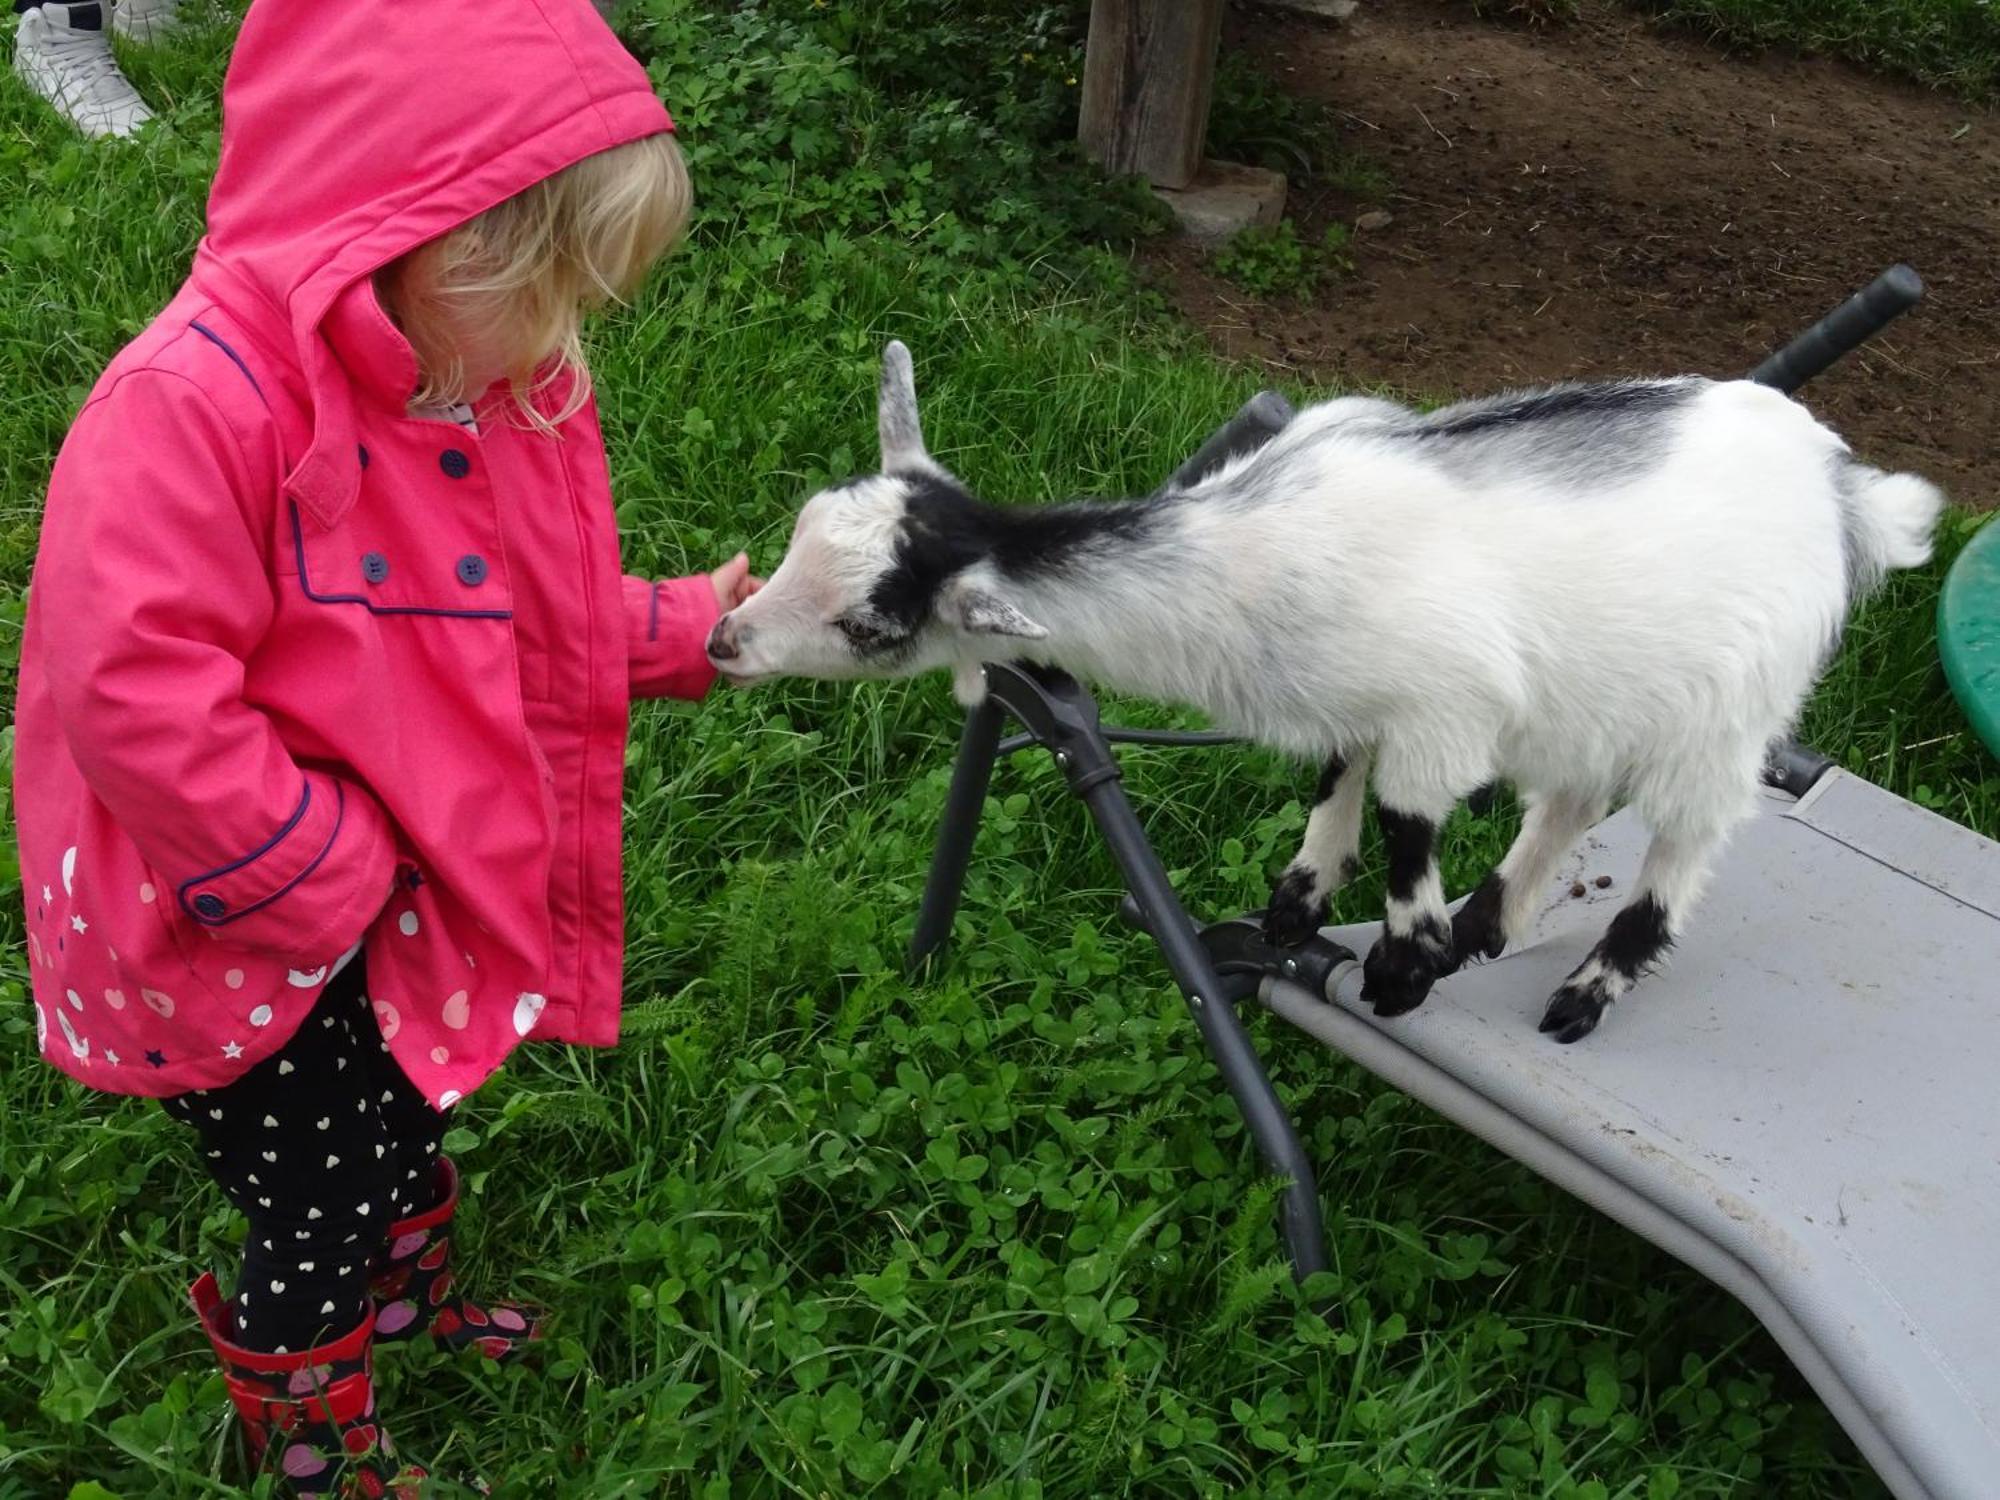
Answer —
(1148, 71)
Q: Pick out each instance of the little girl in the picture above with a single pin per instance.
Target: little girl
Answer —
(324, 691)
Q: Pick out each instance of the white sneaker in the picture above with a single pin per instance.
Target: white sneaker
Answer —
(145, 21)
(64, 54)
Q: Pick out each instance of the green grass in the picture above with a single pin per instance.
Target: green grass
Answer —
(812, 1230)
(1949, 44)
(1952, 45)
(1275, 262)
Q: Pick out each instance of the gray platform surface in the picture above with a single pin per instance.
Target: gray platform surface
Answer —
(1804, 1106)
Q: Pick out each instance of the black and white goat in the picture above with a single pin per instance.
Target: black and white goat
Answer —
(1595, 592)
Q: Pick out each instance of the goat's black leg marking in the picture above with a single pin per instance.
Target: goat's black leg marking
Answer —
(1302, 899)
(1329, 779)
(1670, 883)
(1500, 911)
(1478, 931)
(1637, 938)
(1300, 905)
(1415, 949)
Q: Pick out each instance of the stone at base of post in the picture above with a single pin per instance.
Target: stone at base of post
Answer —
(1225, 198)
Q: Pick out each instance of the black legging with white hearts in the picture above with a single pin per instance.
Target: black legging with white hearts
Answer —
(322, 1146)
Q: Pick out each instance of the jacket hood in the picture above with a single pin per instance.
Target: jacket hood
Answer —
(353, 132)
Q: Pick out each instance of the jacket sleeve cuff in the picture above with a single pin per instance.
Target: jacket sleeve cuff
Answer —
(667, 626)
(312, 887)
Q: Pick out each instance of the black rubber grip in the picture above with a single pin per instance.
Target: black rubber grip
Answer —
(1792, 767)
(1259, 420)
(1843, 330)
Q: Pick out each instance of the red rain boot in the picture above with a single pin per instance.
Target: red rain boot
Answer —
(413, 1292)
(317, 1409)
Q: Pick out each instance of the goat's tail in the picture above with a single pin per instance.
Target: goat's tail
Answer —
(1888, 520)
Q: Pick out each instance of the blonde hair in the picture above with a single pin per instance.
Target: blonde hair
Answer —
(506, 292)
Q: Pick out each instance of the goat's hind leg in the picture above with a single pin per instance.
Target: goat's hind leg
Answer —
(1302, 899)
(1499, 911)
(1670, 883)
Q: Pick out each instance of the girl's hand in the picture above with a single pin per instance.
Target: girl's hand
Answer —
(733, 583)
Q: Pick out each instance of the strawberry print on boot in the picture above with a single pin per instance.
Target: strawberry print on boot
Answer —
(414, 1294)
(310, 1415)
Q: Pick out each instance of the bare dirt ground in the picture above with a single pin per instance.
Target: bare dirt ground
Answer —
(1599, 199)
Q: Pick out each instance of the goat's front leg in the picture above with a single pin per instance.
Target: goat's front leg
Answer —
(1415, 949)
(1418, 780)
(1302, 899)
(1670, 883)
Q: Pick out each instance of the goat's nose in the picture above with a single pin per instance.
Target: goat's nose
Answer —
(722, 641)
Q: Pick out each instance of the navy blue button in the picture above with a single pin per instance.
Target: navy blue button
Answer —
(472, 570)
(454, 462)
(210, 908)
(374, 566)
(362, 449)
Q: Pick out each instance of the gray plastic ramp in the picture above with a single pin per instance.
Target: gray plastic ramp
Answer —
(1804, 1105)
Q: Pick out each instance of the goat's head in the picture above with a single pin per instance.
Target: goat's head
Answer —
(886, 576)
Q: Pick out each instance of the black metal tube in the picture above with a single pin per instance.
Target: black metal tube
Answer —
(1118, 736)
(1242, 1071)
(978, 747)
(1843, 330)
(1790, 766)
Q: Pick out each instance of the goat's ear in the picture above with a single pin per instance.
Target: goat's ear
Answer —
(902, 434)
(978, 610)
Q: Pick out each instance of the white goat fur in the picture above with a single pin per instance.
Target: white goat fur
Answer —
(1594, 612)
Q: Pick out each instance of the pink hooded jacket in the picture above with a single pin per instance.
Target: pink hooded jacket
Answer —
(302, 671)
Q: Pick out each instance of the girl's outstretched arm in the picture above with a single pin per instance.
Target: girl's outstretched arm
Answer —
(668, 624)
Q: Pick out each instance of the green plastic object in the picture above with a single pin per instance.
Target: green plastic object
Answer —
(1969, 632)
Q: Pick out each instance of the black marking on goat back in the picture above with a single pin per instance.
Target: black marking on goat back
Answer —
(1329, 779)
(945, 529)
(1412, 845)
(1636, 938)
(1593, 402)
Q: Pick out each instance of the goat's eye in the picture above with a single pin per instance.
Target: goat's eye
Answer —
(859, 632)
(865, 634)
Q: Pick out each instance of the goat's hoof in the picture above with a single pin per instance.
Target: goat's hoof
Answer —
(1294, 915)
(1400, 969)
(1476, 932)
(1574, 1011)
